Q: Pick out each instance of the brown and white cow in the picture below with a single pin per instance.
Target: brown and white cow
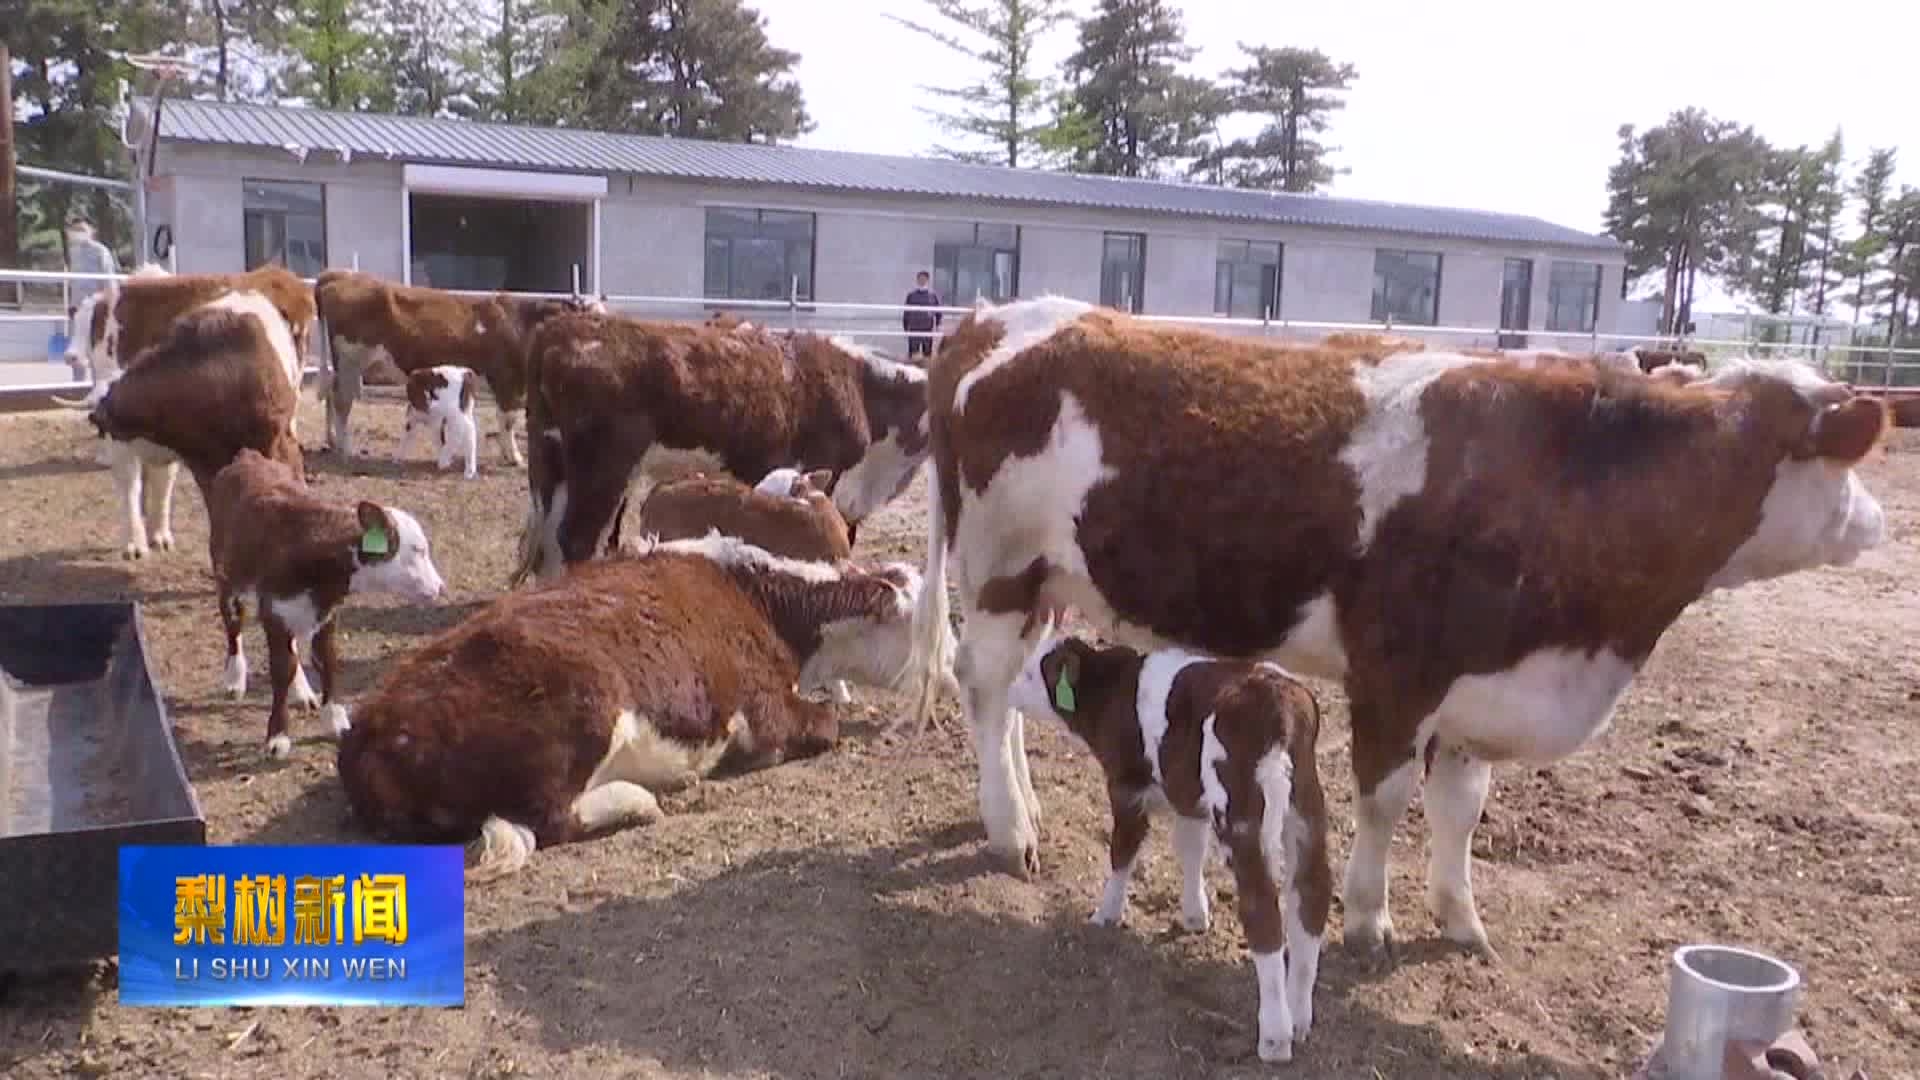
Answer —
(222, 378)
(1228, 746)
(440, 406)
(804, 526)
(417, 327)
(615, 404)
(559, 712)
(1482, 552)
(299, 556)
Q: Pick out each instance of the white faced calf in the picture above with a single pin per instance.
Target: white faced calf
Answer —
(1229, 748)
(440, 403)
(300, 556)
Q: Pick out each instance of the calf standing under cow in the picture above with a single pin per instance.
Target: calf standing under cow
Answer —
(299, 556)
(1228, 747)
(559, 712)
(1483, 552)
(440, 403)
(612, 401)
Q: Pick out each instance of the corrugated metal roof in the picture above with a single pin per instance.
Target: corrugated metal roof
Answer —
(426, 140)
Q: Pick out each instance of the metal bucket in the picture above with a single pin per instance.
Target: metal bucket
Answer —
(1719, 995)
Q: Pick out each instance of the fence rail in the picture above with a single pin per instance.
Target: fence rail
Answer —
(1875, 367)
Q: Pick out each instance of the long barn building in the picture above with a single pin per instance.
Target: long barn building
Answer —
(483, 206)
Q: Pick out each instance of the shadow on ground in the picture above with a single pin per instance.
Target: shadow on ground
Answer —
(822, 962)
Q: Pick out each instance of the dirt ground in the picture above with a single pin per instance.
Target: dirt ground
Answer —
(840, 917)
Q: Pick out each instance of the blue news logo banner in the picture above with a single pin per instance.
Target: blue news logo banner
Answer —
(270, 925)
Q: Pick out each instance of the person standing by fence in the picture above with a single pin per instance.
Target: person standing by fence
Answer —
(920, 325)
(85, 255)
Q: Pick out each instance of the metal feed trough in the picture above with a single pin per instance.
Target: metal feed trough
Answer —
(87, 763)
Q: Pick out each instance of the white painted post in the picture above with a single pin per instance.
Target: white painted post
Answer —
(406, 235)
(576, 279)
(173, 259)
(356, 258)
(599, 283)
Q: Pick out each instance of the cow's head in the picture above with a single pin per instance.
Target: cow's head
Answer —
(393, 556)
(1816, 512)
(870, 647)
(894, 399)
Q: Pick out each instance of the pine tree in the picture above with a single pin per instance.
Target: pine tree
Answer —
(1007, 104)
(1871, 189)
(1135, 113)
(1296, 90)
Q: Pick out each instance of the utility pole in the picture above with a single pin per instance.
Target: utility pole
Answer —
(9, 199)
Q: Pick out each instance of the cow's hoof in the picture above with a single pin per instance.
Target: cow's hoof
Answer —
(1276, 1051)
(134, 551)
(163, 540)
(279, 747)
(336, 719)
(1370, 940)
(1025, 862)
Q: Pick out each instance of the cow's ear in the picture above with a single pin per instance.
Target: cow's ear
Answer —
(818, 479)
(1846, 433)
(377, 539)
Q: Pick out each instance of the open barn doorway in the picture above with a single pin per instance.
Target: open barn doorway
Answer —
(461, 242)
(484, 229)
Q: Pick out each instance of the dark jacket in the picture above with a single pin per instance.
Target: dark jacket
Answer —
(920, 321)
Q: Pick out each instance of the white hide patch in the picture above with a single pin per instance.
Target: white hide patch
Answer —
(873, 479)
(1029, 509)
(878, 363)
(779, 481)
(1027, 323)
(1541, 709)
(1387, 451)
(1213, 793)
(732, 551)
(298, 613)
(1274, 774)
(1817, 513)
(871, 652)
(279, 335)
(638, 754)
(1313, 646)
(409, 571)
(1157, 673)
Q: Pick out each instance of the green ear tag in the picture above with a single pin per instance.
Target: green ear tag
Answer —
(374, 541)
(1063, 693)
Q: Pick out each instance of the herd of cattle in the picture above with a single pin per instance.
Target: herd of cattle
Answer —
(1481, 547)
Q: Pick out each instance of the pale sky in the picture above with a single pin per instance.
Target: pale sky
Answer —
(1507, 105)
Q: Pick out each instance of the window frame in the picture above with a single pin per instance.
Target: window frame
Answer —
(249, 214)
(808, 295)
(947, 291)
(1138, 240)
(1223, 264)
(1556, 284)
(1381, 308)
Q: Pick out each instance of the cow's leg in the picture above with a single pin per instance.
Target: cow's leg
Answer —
(470, 444)
(1384, 782)
(1309, 892)
(1022, 772)
(343, 390)
(281, 664)
(157, 502)
(326, 664)
(1262, 921)
(128, 471)
(233, 616)
(1130, 828)
(990, 653)
(597, 466)
(409, 428)
(510, 421)
(1190, 839)
(301, 692)
(616, 804)
(1455, 793)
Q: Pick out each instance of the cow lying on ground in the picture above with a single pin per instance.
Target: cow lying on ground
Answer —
(122, 321)
(559, 712)
(440, 404)
(222, 379)
(615, 403)
(299, 556)
(805, 526)
(416, 327)
(1228, 746)
(1483, 553)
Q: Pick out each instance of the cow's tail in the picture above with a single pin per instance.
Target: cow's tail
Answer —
(544, 474)
(930, 664)
(322, 349)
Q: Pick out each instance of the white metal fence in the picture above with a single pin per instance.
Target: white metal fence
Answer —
(1876, 365)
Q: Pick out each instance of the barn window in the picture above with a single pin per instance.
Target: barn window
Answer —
(1246, 279)
(1406, 286)
(284, 222)
(1573, 297)
(971, 261)
(1123, 271)
(759, 254)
